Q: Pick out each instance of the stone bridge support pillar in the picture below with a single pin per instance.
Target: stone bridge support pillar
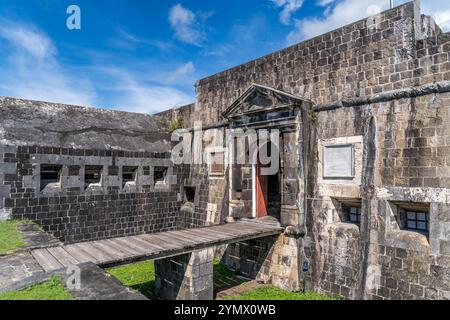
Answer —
(186, 277)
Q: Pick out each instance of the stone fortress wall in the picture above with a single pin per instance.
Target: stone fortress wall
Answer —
(79, 203)
(377, 92)
(382, 86)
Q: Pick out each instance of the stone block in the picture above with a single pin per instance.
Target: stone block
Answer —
(5, 214)
(186, 277)
(8, 168)
(445, 247)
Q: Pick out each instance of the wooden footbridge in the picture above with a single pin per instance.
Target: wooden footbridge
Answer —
(118, 251)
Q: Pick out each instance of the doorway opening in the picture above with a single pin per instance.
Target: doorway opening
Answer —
(267, 188)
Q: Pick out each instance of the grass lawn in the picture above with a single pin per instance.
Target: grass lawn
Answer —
(10, 237)
(224, 278)
(138, 276)
(53, 289)
(272, 293)
(141, 277)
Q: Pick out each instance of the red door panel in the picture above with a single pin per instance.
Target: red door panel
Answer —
(261, 193)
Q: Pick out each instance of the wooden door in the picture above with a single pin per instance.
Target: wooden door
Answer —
(262, 205)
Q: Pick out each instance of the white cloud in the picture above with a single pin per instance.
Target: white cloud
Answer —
(439, 10)
(127, 40)
(136, 95)
(183, 21)
(185, 69)
(289, 7)
(443, 20)
(342, 12)
(30, 68)
(324, 3)
(180, 76)
(28, 39)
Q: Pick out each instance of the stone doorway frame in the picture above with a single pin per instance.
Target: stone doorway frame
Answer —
(260, 107)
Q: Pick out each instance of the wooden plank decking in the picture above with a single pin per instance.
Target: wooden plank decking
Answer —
(150, 246)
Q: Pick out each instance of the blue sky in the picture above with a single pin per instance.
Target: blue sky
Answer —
(145, 56)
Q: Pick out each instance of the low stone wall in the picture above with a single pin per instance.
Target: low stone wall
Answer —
(74, 214)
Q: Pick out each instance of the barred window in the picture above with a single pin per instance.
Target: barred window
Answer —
(416, 221)
(353, 214)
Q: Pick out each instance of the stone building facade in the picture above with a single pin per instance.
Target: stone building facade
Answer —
(359, 119)
(364, 156)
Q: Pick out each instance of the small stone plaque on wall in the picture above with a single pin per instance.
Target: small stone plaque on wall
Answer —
(338, 162)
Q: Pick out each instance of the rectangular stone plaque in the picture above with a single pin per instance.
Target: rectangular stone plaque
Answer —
(338, 161)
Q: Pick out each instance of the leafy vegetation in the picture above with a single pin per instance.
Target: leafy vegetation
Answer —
(175, 125)
(272, 293)
(314, 117)
(10, 237)
(53, 289)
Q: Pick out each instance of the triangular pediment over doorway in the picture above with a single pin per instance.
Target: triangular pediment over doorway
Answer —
(259, 99)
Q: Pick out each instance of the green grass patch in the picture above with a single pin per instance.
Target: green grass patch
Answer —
(272, 293)
(10, 237)
(224, 278)
(138, 276)
(141, 277)
(53, 289)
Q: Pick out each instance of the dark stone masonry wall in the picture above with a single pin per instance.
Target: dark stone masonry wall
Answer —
(211, 194)
(74, 214)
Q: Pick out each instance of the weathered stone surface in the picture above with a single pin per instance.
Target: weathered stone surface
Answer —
(380, 84)
(78, 127)
(96, 284)
(186, 277)
(382, 79)
(15, 269)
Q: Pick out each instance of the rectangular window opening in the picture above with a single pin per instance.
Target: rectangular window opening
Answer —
(189, 193)
(92, 175)
(350, 210)
(50, 174)
(413, 217)
(353, 214)
(129, 175)
(160, 175)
